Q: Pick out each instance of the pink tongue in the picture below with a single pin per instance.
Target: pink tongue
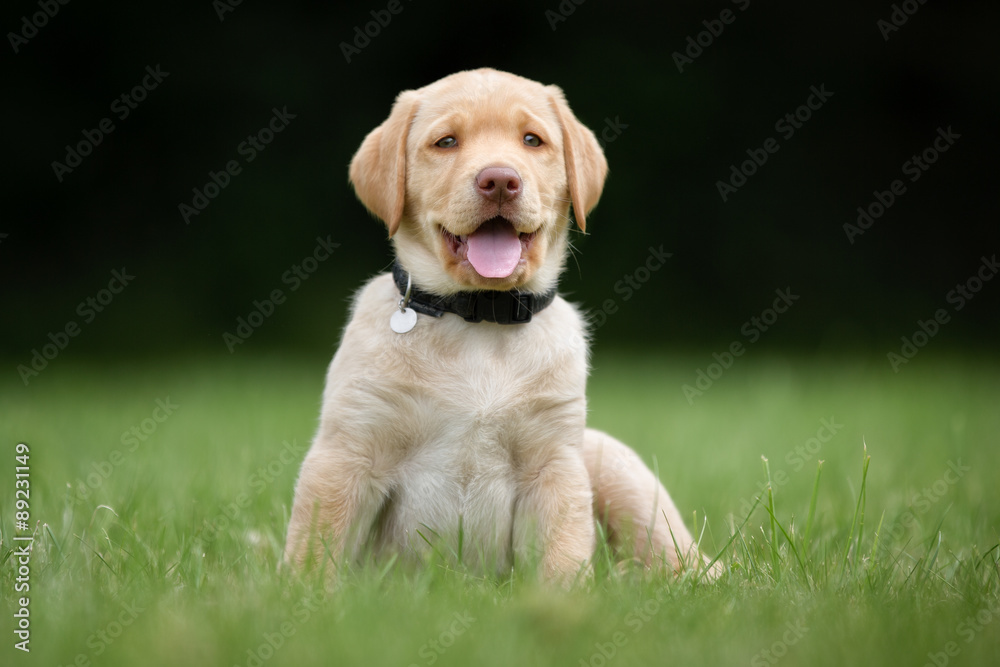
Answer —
(494, 249)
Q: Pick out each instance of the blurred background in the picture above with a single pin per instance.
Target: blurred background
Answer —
(679, 93)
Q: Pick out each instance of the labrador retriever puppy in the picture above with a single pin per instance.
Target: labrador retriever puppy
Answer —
(454, 414)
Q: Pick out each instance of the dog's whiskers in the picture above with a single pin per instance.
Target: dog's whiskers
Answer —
(559, 216)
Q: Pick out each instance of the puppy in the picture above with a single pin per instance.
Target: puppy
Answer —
(454, 414)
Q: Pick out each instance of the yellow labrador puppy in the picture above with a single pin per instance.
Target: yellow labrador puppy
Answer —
(454, 414)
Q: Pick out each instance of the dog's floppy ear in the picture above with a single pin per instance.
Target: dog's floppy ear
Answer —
(586, 167)
(378, 169)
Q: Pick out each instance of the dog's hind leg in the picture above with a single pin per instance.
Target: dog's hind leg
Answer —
(640, 518)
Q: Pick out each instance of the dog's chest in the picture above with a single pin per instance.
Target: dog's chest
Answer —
(480, 416)
(454, 419)
(450, 491)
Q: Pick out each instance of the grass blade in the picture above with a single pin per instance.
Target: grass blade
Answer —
(859, 511)
(791, 543)
(736, 532)
(812, 508)
(775, 559)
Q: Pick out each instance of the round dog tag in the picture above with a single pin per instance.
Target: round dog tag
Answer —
(403, 320)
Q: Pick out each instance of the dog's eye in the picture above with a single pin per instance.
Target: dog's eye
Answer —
(532, 140)
(446, 142)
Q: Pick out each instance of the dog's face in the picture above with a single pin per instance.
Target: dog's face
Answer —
(474, 176)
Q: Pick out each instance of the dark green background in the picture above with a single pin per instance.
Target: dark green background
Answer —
(614, 60)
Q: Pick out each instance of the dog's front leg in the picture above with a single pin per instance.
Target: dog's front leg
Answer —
(336, 502)
(553, 521)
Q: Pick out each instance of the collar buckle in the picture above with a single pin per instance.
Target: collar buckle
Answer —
(499, 307)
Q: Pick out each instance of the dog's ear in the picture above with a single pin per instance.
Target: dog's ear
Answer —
(586, 167)
(378, 169)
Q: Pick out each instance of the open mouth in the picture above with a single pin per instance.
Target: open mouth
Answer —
(494, 250)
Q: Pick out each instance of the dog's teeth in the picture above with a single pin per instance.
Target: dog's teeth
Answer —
(463, 238)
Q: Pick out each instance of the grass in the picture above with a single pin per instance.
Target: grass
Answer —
(886, 554)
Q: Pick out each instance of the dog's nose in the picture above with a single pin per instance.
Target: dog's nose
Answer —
(498, 184)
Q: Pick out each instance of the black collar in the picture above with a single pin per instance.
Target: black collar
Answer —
(501, 307)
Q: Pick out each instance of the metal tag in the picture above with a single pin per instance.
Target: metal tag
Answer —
(403, 320)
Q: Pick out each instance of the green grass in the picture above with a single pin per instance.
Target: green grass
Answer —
(881, 560)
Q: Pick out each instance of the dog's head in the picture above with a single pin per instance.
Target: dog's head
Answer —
(474, 175)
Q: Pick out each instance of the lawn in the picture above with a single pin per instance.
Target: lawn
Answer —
(160, 494)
